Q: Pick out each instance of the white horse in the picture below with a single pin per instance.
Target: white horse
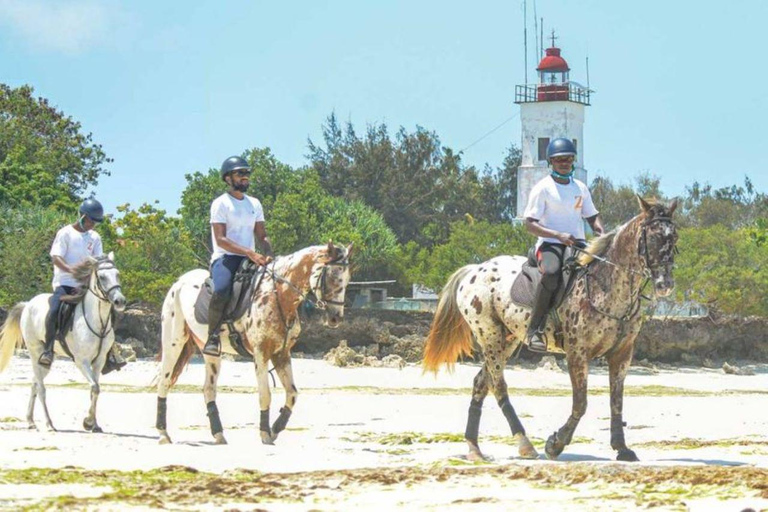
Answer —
(271, 326)
(88, 342)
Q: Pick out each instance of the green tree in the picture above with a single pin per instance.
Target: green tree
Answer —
(617, 203)
(469, 242)
(736, 207)
(151, 250)
(723, 267)
(45, 159)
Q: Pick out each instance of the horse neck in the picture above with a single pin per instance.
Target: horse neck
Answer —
(623, 253)
(297, 268)
(93, 306)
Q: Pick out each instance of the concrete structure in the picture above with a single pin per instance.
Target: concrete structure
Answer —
(552, 108)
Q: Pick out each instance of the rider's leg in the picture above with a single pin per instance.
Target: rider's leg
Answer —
(549, 257)
(54, 304)
(222, 272)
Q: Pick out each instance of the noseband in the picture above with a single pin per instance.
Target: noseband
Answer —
(321, 302)
(642, 247)
(104, 264)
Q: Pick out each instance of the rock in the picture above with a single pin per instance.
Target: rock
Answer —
(735, 370)
(549, 363)
(343, 355)
(127, 352)
(393, 361)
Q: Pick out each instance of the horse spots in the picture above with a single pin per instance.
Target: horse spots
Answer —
(466, 311)
(173, 294)
(167, 374)
(211, 380)
(172, 313)
(196, 286)
(493, 290)
(258, 323)
(461, 287)
(264, 300)
(214, 369)
(527, 316)
(477, 304)
(482, 333)
(472, 281)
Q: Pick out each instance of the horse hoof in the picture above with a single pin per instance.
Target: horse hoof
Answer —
(524, 447)
(164, 440)
(266, 438)
(553, 448)
(50, 428)
(31, 426)
(97, 430)
(475, 455)
(219, 439)
(627, 455)
(87, 425)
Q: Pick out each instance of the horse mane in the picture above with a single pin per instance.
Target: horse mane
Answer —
(597, 247)
(82, 274)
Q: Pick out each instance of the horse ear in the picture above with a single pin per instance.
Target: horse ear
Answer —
(331, 249)
(111, 256)
(673, 206)
(644, 206)
(350, 248)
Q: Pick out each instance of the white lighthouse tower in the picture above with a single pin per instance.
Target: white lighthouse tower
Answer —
(550, 109)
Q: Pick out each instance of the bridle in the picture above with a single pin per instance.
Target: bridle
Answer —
(102, 296)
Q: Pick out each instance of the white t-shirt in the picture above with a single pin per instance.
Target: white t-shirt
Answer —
(74, 247)
(239, 216)
(560, 207)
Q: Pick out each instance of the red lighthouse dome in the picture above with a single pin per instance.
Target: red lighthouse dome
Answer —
(553, 61)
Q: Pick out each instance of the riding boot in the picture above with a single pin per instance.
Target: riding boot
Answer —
(115, 360)
(536, 341)
(46, 358)
(216, 311)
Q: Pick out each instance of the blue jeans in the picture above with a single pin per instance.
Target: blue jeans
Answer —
(222, 274)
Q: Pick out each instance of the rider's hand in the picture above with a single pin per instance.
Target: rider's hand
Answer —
(257, 258)
(566, 238)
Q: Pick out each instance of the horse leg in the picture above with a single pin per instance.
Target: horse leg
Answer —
(479, 392)
(496, 354)
(212, 368)
(174, 339)
(265, 395)
(282, 362)
(89, 423)
(40, 373)
(618, 365)
(31, 407)
(578, 368)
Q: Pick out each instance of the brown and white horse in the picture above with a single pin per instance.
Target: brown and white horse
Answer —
(601, 318)
(271, 327)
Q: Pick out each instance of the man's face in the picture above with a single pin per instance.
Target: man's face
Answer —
(240, 179)
(89, 223)
(563, 163)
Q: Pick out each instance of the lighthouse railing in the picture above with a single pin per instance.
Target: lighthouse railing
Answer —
(532, 93)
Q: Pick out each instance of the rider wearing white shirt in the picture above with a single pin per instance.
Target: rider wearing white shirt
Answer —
(556, 210)
(237, 222)
(74, 244)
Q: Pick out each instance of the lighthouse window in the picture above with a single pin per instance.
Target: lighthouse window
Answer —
(543, 143)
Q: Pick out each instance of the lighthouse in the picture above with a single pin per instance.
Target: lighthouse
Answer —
(554, 107)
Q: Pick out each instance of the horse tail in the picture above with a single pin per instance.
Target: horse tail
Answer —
(187, 351)
(450, 336)
(10, 336)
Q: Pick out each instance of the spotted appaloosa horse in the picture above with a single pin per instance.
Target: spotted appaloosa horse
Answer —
(271, 326)
(601, 317)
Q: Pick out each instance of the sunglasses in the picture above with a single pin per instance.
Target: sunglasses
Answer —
(242, 173)
(563, 159)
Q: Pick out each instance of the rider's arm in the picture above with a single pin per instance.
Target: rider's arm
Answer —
(533, 227)
(59, 262)
(220, 234)
(261, 235)
(596, 223)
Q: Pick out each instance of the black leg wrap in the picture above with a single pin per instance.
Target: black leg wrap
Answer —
(264, 421)
(282, 420)
(617, 432)
(473, 420)
(162, 410)
(213, 417)
(511, 415)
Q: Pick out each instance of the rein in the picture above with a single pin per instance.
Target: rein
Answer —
(108, 326)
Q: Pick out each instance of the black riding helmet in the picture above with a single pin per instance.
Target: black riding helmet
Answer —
(231, 164)
(92, 209)
(559, 147)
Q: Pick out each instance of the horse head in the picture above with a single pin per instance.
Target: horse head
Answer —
(330, 276)
(104, 281)
(656, 244)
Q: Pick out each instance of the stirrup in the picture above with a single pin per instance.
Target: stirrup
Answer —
(112, 364)
(537, 343)
(212, 346)
(46, 358)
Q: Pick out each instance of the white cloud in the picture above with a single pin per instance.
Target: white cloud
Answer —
(64, 26)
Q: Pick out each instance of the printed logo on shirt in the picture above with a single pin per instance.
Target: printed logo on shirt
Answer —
(579, 203)
(89, 247)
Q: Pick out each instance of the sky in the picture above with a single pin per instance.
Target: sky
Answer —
(170, 87)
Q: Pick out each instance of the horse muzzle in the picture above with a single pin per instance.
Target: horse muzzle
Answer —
(118, 300)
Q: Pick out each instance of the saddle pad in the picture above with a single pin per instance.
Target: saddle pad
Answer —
(524, 287)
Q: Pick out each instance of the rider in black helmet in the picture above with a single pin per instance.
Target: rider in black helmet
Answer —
(555, 213)
(73, 244)
(237, 222)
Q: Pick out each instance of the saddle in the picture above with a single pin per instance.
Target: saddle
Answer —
(247, 278)
(524, 288)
